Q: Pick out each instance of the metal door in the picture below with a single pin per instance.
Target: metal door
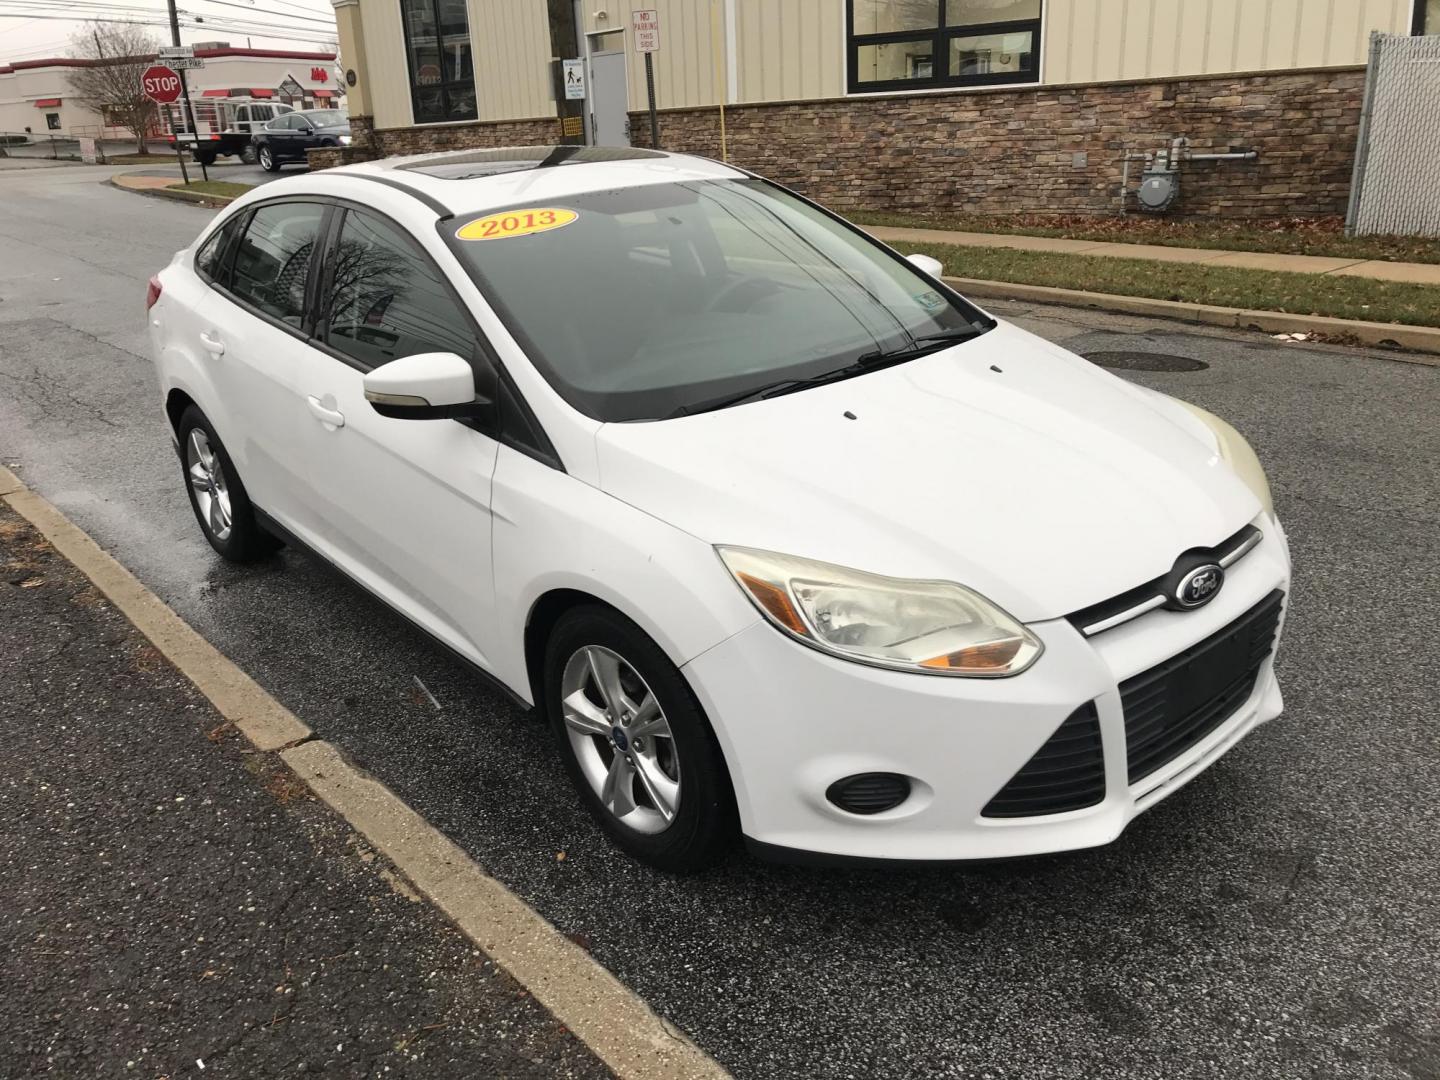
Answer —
(609, 104)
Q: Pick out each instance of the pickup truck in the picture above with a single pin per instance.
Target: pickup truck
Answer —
(223, 127)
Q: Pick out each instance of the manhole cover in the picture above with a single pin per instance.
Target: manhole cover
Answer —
(1145, 361)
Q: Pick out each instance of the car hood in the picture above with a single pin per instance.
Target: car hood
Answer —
(1004, 463)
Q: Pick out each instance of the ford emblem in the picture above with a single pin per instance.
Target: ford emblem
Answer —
(1199, 586)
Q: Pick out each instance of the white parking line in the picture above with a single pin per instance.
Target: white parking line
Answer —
(612, 1020)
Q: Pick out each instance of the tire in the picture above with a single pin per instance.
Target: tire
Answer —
(247, 155)
(267, 159)
(207, 159)
(221, 504)
(674, 754)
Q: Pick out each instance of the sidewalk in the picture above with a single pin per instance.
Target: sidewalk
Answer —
(176, 904)
(1413, 273)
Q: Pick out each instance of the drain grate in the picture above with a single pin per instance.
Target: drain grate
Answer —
(1145, 361)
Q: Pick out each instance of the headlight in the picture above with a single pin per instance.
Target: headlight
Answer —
(934, 627)
(344, 140)
(1237, 453)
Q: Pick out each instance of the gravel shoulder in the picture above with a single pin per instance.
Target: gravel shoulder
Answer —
(172, 898)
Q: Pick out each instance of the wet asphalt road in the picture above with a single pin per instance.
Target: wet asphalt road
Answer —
(1279, 917)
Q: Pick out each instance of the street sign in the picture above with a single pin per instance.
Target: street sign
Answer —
(160, 84)
(574, 79)
(646, 25)
(185, 63)
(175, 52)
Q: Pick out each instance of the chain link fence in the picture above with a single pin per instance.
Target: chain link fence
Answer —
(1396, 188)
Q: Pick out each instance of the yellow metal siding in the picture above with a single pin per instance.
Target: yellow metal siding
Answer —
(511, 44)
(1098, 40)
(789, 49)
(685, 71)
(385, 52)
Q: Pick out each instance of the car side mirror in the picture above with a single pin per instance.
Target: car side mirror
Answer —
(426, 386)
(932, 266)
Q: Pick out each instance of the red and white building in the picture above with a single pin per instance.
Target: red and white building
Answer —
(36, 96)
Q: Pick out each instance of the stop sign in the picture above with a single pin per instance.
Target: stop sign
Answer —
(160, 84)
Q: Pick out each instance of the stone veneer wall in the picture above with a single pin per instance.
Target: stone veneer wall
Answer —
(1051, 149)
(1054, 149)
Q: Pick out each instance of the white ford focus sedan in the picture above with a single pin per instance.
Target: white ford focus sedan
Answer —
(784, 537)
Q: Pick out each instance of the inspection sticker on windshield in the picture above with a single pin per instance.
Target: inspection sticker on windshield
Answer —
(516, 223)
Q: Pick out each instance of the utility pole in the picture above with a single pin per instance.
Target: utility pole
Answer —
(189, 109)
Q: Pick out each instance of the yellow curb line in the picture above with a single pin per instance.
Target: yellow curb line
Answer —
(1424, 341)
(612, 1020)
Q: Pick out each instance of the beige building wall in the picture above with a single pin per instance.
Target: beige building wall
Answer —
(686, 69)
(510, 43)
(1099, 40)
(791, 49)
(795, 49)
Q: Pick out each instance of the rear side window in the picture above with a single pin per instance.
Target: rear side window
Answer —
(272, 260)
(210, 261)
(386, 299)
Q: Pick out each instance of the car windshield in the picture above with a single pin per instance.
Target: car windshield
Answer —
(327, 117)
(643, 302)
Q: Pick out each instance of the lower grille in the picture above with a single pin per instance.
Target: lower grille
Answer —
(1067, 773)
(1174, 705)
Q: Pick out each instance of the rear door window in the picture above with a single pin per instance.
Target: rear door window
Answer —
(211, 261)
(271, 267)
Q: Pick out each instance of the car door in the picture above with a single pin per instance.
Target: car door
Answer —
(254, 329)
(405, 504)
(280, 134)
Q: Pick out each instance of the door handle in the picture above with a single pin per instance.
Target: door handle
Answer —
(214, 346)
(321, 413)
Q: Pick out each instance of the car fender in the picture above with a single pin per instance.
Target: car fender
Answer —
(554, 532)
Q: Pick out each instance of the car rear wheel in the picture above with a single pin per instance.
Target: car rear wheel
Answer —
(267, 160)
(636, 744)
(217, 496)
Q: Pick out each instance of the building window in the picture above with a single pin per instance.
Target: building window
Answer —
(52, 121)
(442, 74)
(920, 44)
(1427, 17)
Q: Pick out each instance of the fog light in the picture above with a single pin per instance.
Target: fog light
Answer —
(869, 793)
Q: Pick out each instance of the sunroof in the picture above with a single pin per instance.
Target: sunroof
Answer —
(470, 164)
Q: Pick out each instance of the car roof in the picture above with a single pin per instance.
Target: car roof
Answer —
(468, 181)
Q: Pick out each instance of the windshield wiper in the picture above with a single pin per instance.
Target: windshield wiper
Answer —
(868, 362)
(769, 390)
(926, 343)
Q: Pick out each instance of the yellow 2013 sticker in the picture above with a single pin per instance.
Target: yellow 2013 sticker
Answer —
(516, 223)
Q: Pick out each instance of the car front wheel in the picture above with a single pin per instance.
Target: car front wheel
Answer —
(267, 160)
(636, 743)
(221, 504)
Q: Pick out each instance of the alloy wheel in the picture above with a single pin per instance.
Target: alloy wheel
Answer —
(266, 158)
(207, 479)
(621, 739)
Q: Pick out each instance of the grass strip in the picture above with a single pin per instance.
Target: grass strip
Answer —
(1284, 236)
(1254, 290)
(225, 188)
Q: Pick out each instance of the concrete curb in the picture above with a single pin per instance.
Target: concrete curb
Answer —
(1422, 341)
(193, 198)
(612, 1020)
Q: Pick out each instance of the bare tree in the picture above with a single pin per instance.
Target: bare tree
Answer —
(118, 53)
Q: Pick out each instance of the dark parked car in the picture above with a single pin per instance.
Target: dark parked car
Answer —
(286, 138)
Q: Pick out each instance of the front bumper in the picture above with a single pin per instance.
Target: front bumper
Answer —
(792, 721)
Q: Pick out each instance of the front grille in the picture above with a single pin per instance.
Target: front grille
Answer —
(1067, 773)
(1174, 705)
